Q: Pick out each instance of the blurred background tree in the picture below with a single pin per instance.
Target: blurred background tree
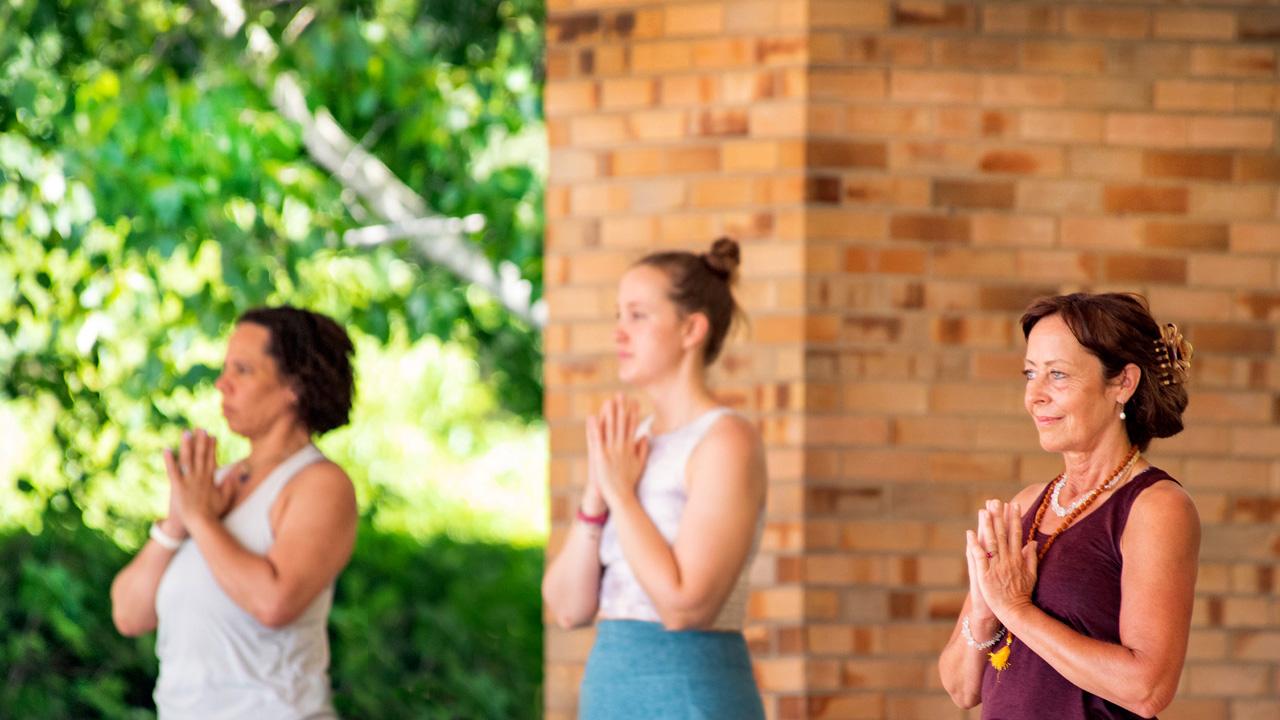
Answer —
(156, 180)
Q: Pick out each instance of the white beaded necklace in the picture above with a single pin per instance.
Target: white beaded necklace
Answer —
(1062, 480)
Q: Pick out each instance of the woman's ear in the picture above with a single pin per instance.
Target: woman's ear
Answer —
(1129, 378)
(694, 330)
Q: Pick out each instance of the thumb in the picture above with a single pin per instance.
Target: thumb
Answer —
(1029, 557)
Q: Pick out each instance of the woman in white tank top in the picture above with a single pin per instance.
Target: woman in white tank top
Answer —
(671, 514)
(238, 579)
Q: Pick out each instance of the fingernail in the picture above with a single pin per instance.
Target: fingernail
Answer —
(186, 434)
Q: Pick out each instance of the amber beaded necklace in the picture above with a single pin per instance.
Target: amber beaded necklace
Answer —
(1000, 658)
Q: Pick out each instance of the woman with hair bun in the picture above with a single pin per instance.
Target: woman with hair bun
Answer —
(1080, 591)
(238, 578)
(672, 510)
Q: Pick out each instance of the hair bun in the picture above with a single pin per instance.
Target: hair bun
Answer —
(724, 258)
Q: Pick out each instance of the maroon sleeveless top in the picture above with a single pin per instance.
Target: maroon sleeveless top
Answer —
(1079, 585)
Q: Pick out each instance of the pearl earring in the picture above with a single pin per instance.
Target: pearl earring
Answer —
(1122, 415)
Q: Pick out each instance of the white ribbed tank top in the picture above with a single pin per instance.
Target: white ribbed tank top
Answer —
(219, 663)
(662, 495)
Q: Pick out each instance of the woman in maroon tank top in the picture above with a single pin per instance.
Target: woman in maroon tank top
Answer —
(1080, 591)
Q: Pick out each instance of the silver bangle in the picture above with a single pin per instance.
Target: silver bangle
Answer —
(164, 539)
(967, 634)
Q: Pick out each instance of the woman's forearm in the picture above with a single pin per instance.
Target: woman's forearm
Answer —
(654, 563)
(1141, 683)
(133, 591)
(961, 667)
(571, 586)
(250, 580)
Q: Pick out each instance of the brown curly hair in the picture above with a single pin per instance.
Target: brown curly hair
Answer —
(313, 355)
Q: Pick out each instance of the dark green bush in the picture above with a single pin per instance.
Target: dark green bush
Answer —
(444, 629)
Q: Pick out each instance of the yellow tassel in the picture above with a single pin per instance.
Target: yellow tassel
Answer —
(1000, 658)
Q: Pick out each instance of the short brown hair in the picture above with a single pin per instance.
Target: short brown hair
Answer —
(1118, 329)
(703, 282)
(313, 354)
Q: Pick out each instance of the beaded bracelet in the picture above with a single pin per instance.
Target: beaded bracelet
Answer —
(967, 634)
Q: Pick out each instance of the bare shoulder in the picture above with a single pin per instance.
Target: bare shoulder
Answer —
(1164, 507)
(732, 451)
(731, 433)
(320, 481)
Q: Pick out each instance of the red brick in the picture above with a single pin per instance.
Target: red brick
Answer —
(973, 122)
(567, 97)
(972, 194)
(1102, 232)
(1106, 162)
(1062, 126)
(844, 154)
(1023, 90)
(1232, 132)
(1256, 238)
(1119, 23)
(661, 57)
(970, 52)
(1057, 266)
(1064, 57)
(1108, 93)
(1146, 130)
(1018, 19)
(916, 86)
(1013, 230)
(1258, 97)
(1233, 61)
(938, 228)
(890, 190)
(1187, 235)
(847, 84)
(932, 14)
(1145, 268)
(848, 14)
(1258, 168)
(1145, 199)
(889, 120)
(1195, 25)
(694, 19)
(1060, 196)
(1192, 95)
(687, 90)
(1233, 202)
(1233, 272)
(1149, 60)
(1023, 161)
(1259, 25)
(1189, 165)
(627, 93)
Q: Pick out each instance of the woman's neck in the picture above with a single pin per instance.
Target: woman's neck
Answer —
(678, 400)
(1089, 469)
(275, 445)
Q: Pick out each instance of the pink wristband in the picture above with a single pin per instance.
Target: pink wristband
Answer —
(593, 519)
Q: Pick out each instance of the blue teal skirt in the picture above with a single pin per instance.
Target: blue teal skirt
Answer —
(640, 671)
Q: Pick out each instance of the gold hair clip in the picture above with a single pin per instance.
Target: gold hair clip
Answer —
(1173, 355)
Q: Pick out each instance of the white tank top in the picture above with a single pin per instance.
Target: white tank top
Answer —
(662, 495)
(219, 663)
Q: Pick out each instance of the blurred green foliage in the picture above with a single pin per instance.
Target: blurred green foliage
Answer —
(445, 629)
(149, 193)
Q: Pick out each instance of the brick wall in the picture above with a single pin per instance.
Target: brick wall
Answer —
(905, 177)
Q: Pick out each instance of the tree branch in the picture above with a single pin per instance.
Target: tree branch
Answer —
(386, 195)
